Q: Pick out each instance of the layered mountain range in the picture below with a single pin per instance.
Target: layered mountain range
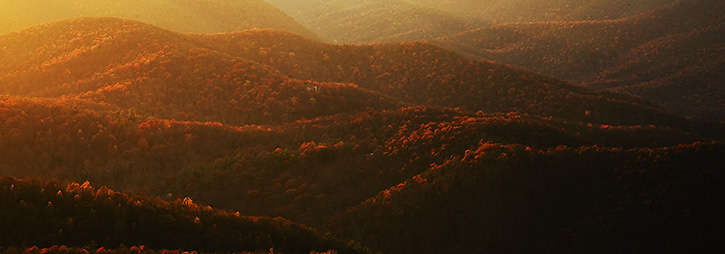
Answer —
(667, 52)
(288, 144)
(210, 16)
(671, 55)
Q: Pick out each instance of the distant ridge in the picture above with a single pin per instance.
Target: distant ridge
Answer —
(127, 63)
(208, 16)
(413, 73)
(424, 74)
(366, 21)
(401, 147)
(507, 11)
(669, 55)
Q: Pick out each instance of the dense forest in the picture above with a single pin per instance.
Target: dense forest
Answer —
(668, 52)
(119, 136)
(667, 55)
(47, 213)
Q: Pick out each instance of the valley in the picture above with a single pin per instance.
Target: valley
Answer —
(564, 130)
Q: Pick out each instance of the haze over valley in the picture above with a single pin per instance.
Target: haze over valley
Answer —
(387, 126)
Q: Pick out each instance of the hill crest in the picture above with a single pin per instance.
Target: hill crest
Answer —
(210, 16)
(415, 73)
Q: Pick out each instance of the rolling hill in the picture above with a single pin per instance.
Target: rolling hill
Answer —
(325, 171)
(211, 16)
(652, 49)
(374, 20)
(424, 74)
(131, 64)
(275, 170)
(403, 147)
(557, 200)
(413, 20)
(507, 11)
(48, 213)
(140, 61)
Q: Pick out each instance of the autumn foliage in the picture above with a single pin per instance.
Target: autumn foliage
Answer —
(671, 55)
(403, 147)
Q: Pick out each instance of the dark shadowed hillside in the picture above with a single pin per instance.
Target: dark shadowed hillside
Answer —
(421, 73)
(49, 213)
(402, 147)
(314, 170)
(671, 55)
(587, 199)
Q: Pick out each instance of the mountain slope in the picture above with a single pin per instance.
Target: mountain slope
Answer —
(316, 170)
(502, 198)
(276, 170)
(413, 20)
(48, 213)
(382, 75)
(373, 20)
(527, 162)
(211, 16)
(505, 11)
(687, 76)
(617, 53)
(424, 74)
(130, 64)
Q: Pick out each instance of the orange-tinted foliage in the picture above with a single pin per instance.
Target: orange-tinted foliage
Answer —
(671, 55)
(406, 146)
(48, 213)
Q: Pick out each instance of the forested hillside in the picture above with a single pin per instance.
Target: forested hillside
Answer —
(397, 147)
(507, 11)
(374, 20)
(563, 199)
(664, 51)
(671, 55)
(424, 74)
(144, 66)
(48, 213)
(130, 64)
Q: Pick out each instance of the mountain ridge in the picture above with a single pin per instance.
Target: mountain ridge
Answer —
(403, 147)
(631, 51)
(179, 15)
(373, 21)
(387, 69)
